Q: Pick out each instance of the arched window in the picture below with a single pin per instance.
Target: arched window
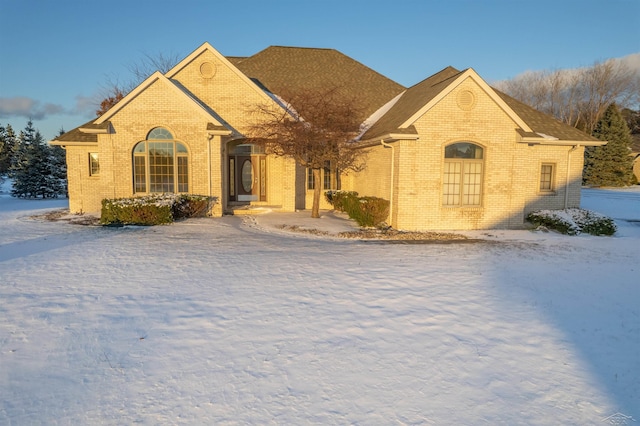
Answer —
(462, 179)
(160, 164)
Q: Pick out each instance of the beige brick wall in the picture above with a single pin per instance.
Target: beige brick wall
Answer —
(511, 170)
(85, 191)
(375, 179)
(160, 106)
(226, 93)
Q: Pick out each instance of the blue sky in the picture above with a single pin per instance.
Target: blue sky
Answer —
(56, 56)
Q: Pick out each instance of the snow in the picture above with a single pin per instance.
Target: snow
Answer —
(236, 321)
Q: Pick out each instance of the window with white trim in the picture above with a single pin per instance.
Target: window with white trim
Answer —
(547, 177)
(463, 173)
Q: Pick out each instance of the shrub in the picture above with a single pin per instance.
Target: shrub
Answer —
(573, 221)
(341, 200)
(369, 211)
(186, 206)
(594, 223)
(152, 209)
(131, 211)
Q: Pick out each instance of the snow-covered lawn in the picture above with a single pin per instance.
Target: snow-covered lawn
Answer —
(232, 321)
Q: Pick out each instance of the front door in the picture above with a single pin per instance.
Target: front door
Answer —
(247, 178)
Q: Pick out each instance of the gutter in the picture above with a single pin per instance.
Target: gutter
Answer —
(566, 185)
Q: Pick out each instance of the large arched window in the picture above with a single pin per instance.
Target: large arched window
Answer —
(160, 164)
(462, 179)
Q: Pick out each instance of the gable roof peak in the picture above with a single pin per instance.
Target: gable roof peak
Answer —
(157, 78)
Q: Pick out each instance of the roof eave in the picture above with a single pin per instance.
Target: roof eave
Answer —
(71, 143)
(558, 142)
(225, 132)
(388, 137)
(95, 131)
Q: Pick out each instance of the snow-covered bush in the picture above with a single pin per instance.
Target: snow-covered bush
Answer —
(573, 221)
(153, 209)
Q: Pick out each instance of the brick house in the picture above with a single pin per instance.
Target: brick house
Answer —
(449, 153)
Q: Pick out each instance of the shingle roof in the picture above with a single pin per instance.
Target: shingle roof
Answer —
(281, 69)
(235, 60)
(542, 123)
(78, 135)
(410, 102)
(289, 69)
(422, 93)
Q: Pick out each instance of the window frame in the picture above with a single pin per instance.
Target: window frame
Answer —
(550, 182)
(149, 171)
(328, 176)
(311, 183)
(466, 182)
(94, 164)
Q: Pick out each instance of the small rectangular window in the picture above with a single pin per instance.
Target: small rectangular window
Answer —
(94, 164)
(546, 177)
(329, 178)
(139, 175)
(311, 184)
(326, 179)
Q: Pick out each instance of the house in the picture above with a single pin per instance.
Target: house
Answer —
(635, 153)
(448, 153)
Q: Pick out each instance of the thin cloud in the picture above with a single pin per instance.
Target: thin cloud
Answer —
(22, 106)
(86, 105)
(631, 62)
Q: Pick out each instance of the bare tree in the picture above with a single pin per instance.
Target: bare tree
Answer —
(313, 127)
(150, 64)
(606, 83)
(577, 97)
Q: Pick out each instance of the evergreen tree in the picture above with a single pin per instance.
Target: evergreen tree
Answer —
(611, 164)
(8, 144)
(33, 170)
(59, 158)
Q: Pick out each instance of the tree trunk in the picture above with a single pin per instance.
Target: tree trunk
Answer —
(317, 190)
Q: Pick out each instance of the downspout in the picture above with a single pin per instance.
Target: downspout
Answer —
(566, 185)
(113, 161)
(391, 184)
(210, 137)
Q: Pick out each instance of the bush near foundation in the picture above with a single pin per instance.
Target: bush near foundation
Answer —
(573, 221)
(341, 200)
(366, 211)
(186, 206)
(369, 211)
(153, 209)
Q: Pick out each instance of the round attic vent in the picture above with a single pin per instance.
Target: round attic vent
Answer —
(207, 70)
(466, 100)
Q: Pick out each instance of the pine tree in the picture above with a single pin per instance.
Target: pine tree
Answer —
(611, 164)
(33, 170)
(59, 159)
(8, 144)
